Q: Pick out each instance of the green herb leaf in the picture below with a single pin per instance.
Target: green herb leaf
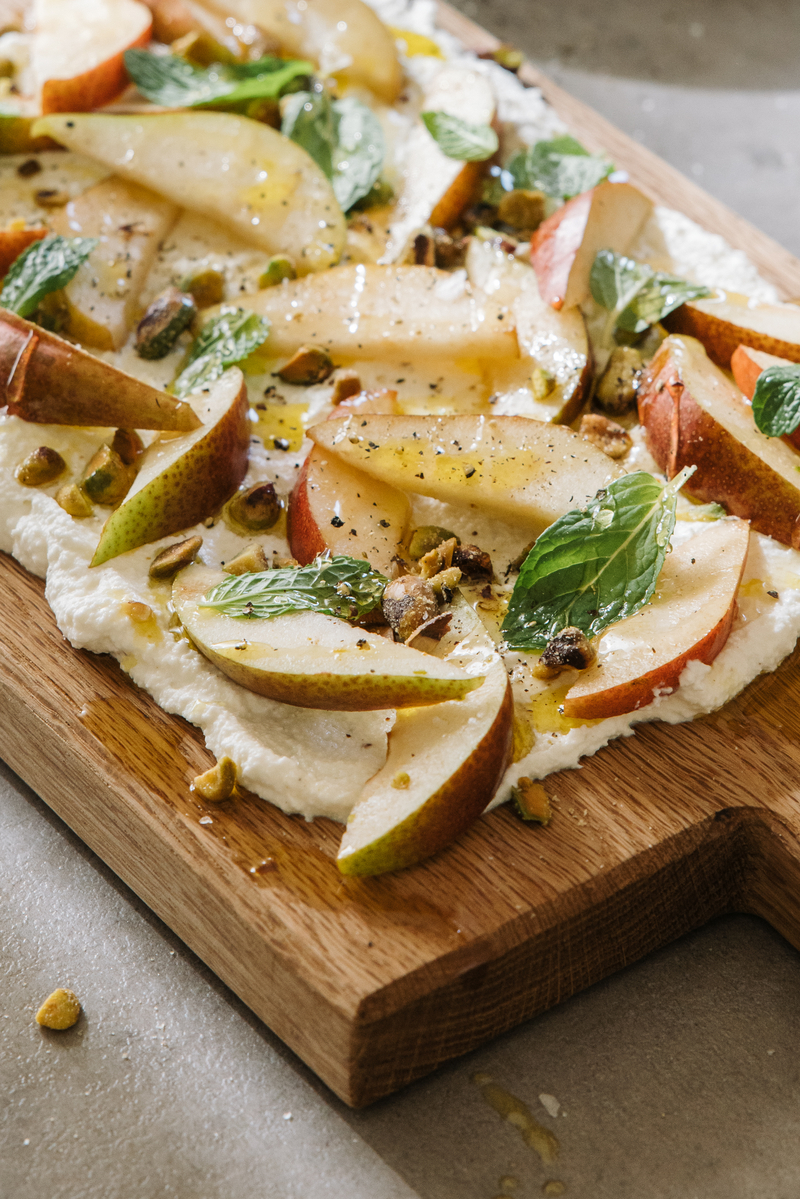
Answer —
(344, 137)
(635, 294)
(222, 342)
(776, 400)
(596, 565)
(458, 139)
(561, 168)
(45, 266)
(345, 587)
(174, 83)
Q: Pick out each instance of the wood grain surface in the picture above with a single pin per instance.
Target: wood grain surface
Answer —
(376, 982)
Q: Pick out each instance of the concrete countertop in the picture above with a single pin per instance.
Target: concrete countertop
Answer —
(676, 1079)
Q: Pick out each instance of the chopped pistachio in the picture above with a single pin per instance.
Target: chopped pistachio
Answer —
(42, 466)
(207, 287)
(174, 558)
(616, 391)
(163, 322)
(60, 1010)
(252, 560)
(522, 209)
(308, 364)
(256, 509)
(106, 479)
(438, 559)
(474, 563)
(128, 444)
(569, 649)
(606, 434)
(201, 49)
(531, 801)
(408, 602)
(346, 383)
(445, 582)
(218, 783)
(74, 501)
(279, 267)
(542, 383)
(426, 538)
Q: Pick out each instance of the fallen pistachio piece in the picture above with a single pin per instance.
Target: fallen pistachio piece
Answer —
(531, 801)
(427, 538)
(408, 603)
(128, 444)
(60, 1010)
(279, 267)
(308, 364)
(256, 509)
(206, 287)
(252, 560)
(74, 501)
(106, 479)
(606, 434)
(570, 649)
(42, 466)
(163, 322)
(218, 783)
(174, 558)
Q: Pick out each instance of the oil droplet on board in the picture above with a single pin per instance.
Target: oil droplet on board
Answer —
(508, 1107)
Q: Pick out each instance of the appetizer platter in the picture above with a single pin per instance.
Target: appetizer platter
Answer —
(414, 436)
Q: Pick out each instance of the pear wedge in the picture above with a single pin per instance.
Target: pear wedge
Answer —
(521, 470)
(187, 478)
(443, 768)
(240, 172)
(314, 661)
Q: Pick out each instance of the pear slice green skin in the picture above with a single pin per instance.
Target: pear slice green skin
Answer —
(185, 479)
(311, 660)
(443, 767)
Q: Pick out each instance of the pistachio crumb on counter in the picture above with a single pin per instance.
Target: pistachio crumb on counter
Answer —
(218, 783)
(531, 801)
(60, 1010)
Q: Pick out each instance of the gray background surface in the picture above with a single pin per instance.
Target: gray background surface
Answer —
(677, 1079)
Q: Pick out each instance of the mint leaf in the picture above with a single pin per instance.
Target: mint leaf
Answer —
(776, 400)
(344, 137)
(635, 294)
(596, 565)
(560, 168)
(225, 340)
(46, 265)
(345, 587)
(458, 139)
(174, 83)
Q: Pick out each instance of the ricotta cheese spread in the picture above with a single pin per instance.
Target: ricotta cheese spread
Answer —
(310, 762)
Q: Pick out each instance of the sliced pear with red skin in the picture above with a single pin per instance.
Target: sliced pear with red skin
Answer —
(563, 249)
(345, 37)
(370, 311)
(443, 767)
(187, 478)
(728, 320)
(524, 471)
(311, 660)
(436, 189)
(693, 415)
(77, 50)
(335, 507)
(131, 222)
(688, 620)
(15, 238)
(49, 381)
(747, 364)
(237, 171)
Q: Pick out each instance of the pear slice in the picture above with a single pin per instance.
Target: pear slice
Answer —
(185, 479)
(240, 172)
(370, 311)
(726, 320)
(314, 661)
(49, 381)
(521, 470)
(444, 765)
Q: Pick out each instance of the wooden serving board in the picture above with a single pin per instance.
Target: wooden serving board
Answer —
(376, 982)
